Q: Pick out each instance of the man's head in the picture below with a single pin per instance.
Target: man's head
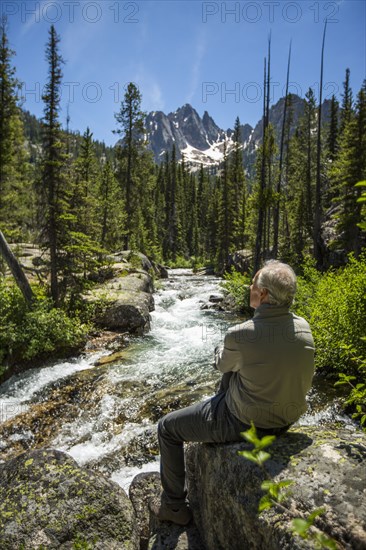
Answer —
(274, 284)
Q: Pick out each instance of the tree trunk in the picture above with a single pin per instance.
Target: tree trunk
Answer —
(276, 216)
(16, 270)
(317, 238)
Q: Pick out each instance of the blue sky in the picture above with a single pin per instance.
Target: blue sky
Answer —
(209, 54)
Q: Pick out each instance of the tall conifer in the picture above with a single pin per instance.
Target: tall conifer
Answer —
(53, 181)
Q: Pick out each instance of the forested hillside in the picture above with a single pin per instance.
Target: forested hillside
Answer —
(76, 197)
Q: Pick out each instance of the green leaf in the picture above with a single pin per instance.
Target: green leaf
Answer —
(301, 527)
(265, 503)
(251, 435)
(262, 456)
(285, 483)
(325, 542)
(315, 514)
(267, 484)
(249, 455)
(266, 441)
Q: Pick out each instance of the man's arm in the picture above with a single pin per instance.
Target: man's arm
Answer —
(229, 357)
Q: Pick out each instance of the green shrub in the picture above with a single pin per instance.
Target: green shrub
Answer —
(28, 333)
(238, 285)
(335, 305)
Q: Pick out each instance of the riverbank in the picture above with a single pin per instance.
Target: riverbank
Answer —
(121, 300)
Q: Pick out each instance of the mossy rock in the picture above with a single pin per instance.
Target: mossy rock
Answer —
(327, 467)
(47, 500)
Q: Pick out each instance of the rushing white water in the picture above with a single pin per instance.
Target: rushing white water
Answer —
(177, 352)
(16, 393)
(182, 337)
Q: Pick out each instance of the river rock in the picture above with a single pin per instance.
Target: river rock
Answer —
(48, 501)
(155, 534)
(160, 270)
(328, 470)
(241, 260)
(124, 302)
(137, 259)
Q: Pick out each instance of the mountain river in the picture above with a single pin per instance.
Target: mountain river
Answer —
(105, 416)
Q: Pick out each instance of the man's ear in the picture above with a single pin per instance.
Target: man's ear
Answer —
(264, 295)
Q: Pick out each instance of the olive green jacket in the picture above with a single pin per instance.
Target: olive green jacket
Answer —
(272, 360)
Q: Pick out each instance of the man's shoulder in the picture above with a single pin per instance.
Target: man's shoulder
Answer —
(300, 321)
(240, 328)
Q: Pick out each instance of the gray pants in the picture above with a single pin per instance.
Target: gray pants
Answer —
(207, 422)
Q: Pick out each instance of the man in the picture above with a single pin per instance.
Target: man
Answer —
(268, 365)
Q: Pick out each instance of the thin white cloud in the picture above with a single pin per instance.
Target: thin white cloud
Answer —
(31, 14)
(201, 47)
(152, 96)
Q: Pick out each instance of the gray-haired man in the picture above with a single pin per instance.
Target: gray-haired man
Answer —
(268, 365)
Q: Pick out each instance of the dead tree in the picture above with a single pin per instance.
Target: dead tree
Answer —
(16, 270)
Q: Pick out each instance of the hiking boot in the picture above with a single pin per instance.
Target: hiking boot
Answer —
(180, 514)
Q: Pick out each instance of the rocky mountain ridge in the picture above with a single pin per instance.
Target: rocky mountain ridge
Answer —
(201, 141)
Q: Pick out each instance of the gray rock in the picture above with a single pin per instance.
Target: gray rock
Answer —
(143, 488)
(137, 259)
(124, 302)
(327, 466)
(160, 270)
(47, 499)
(216, 298)
(154, 534)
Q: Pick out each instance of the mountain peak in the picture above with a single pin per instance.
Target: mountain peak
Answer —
(201, 140)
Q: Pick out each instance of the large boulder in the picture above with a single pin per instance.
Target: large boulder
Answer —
(328, 470)
(48, 501)
(124, 302)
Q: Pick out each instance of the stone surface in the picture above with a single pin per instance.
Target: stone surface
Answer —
(46, 499)
(154, 534)
(143, 488)
(124, 302)
(327, 466)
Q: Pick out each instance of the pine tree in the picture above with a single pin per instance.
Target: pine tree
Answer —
(53, 190)
(347, 102)
(300, 185)
(237, 177)
(261, 177)
(131, 121)
(333, 131)
(111, 210)
(350, 168)
(307, 140)
(83, 253)
(83, 199)
(226, 216)
(15, 192)
(203, 205)
(172, 221)
(147, 233)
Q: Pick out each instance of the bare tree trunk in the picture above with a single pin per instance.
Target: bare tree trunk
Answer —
(16, 270)
(261, 213)
(276, 217)
(318, 249)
